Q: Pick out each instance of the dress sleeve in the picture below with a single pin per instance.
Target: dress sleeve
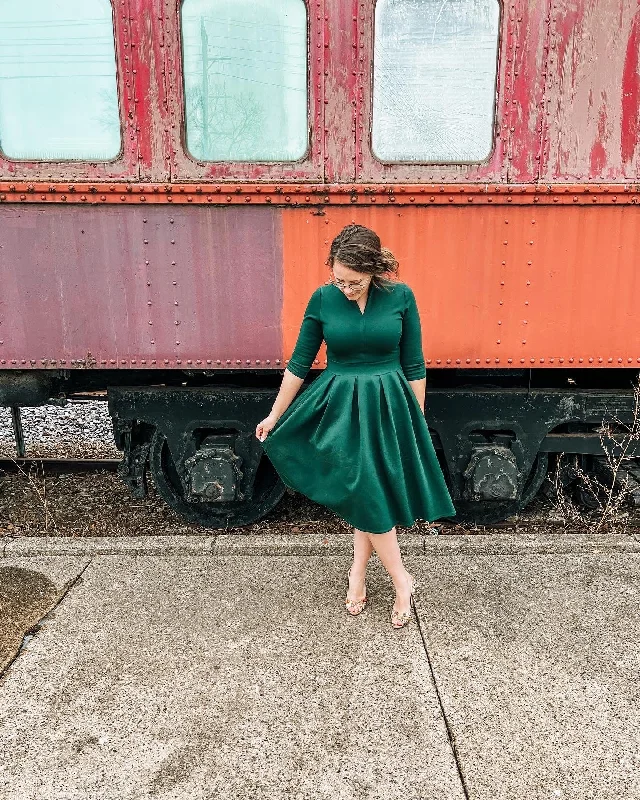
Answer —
(310, 337)
(411, 355)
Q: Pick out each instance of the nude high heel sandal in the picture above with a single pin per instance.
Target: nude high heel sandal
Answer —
(399, 620)
(355, 607)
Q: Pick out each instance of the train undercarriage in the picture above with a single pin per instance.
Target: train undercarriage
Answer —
(495, 433)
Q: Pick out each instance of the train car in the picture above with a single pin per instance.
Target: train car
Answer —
(172, 173)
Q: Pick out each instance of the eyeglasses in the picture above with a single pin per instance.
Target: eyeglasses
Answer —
(351, 284)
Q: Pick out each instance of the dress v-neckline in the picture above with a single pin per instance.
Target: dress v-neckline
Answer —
(366, 302)
(355, 302)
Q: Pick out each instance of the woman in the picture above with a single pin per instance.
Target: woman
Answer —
(356, 439)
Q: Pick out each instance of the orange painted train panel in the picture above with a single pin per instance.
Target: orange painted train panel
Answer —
(496, 286)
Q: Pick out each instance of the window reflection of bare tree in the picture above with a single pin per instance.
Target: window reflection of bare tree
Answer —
(245, 79)
(107, 113)
(232, 128)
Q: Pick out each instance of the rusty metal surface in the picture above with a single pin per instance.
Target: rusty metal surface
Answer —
(567, 102)
(152, 81)
(295, 194)
(495, 286)
(342, 111)
(145, 287)
(76, 289)
(592, 94)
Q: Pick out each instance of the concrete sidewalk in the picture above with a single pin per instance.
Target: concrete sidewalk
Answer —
(226, 667)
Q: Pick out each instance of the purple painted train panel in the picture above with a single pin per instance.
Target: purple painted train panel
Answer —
(139, 286)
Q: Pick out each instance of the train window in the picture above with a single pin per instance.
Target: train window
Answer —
(434, 77)
(245, 79)
(58, 92)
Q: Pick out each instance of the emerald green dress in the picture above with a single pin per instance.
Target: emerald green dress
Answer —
(356, 439)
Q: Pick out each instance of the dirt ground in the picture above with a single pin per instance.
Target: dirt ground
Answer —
(36, 503)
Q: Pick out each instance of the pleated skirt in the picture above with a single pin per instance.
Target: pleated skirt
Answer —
(357, 442)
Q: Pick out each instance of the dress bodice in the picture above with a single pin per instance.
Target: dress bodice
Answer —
(387, 335)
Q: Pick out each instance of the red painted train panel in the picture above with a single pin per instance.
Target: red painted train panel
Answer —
(139, 286)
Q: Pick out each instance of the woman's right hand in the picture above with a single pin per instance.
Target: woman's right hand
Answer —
(264, 427)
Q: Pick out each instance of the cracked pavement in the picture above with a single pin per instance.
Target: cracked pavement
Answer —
(226, 667)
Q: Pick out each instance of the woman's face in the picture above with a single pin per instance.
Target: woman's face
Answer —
(351, 283)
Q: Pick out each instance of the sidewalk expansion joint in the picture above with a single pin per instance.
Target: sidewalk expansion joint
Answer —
(450, 734)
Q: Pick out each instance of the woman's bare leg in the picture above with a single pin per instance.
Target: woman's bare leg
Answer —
(386, 546)
(362, 550)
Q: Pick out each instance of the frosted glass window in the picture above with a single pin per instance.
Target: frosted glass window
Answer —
(58, 92)
(434, 78)
(245, 75)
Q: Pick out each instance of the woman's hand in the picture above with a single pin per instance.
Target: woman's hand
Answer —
(264, 427)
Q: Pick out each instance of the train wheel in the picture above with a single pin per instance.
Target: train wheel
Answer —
(268, 489)
(489, 512)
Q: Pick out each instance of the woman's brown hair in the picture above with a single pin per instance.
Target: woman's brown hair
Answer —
(359, 249)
